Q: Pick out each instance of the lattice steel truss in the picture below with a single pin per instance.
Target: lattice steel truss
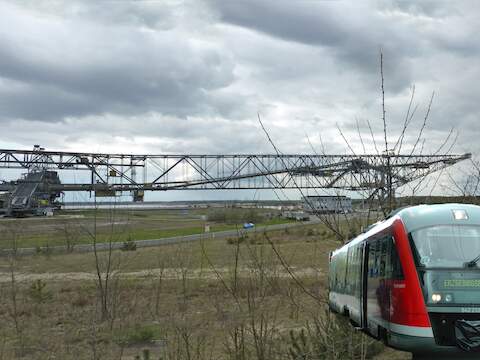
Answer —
(124, 172)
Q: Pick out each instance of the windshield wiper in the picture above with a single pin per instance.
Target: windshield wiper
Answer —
(472, 263)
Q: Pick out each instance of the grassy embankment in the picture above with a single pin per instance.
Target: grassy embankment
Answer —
(213, 299)
(77, 227)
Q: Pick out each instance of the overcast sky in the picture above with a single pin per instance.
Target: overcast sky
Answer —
(190, 76)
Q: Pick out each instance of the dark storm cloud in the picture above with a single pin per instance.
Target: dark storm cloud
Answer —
(74, 68)
(41, 102)
(354, 34)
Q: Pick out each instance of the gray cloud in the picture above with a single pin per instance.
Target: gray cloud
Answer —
(190, 76)
(79, 68)
(353, 34)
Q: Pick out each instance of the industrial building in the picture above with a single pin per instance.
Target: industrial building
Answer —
(327, 204)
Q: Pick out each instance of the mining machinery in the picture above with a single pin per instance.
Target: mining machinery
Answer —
(107, 175)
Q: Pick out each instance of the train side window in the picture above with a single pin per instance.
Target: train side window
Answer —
(383, 256)
(352, 270)
(331, 274)
(341, 271)
(416, 255)
(335, 277)
(372, 258)
(337, 274)
(395, 270)
(348, 270)
(378, 257)
(358, 278)
(354, 273)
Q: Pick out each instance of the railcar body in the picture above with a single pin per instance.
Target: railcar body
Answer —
(413, 280)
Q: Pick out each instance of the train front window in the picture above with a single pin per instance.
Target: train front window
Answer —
(445, 246)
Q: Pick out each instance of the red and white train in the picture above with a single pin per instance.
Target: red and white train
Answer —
(413, 280)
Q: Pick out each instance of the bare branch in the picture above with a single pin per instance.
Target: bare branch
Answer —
(345, 139)
(321, 143)
(360, 136)
(406, 122)
(383, 104)
(423, 124)
(373, 137)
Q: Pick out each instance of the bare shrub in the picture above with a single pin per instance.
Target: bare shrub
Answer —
(71, 233)
(330, 337)
(38, 291)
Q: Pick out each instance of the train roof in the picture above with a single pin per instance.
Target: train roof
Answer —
(420, 216)
(416, 217)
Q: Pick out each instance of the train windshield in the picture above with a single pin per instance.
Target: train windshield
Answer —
(445, 246)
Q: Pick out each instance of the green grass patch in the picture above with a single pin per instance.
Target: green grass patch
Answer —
(140, 334)
(56, 235)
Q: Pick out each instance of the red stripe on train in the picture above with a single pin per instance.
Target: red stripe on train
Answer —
(407, 306)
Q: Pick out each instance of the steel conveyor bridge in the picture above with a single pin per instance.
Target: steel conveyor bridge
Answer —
(111, 173)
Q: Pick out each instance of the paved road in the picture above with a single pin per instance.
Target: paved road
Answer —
(157, 242)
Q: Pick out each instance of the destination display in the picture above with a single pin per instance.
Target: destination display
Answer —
(461, 283)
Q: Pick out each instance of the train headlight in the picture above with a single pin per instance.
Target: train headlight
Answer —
(448, 298)
(436, 297)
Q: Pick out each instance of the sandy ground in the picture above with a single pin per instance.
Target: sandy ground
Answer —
(166, 273)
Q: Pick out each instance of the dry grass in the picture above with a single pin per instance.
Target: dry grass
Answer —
(204, 300)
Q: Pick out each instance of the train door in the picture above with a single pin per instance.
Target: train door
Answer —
(371, 308)
(363, 290)
(377, 289)
(384, 289)
(354, 283)
(377, 299)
